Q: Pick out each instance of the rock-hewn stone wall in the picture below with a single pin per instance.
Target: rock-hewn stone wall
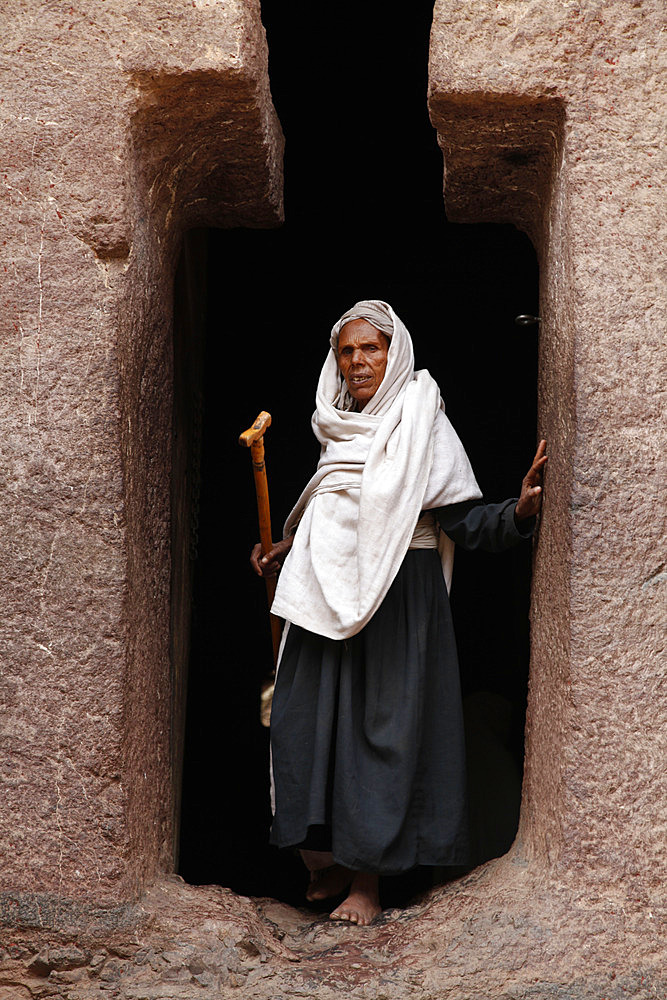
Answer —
(120, 129)
(580, 164)
(123, 124)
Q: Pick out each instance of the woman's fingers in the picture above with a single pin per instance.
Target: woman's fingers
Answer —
(270, 563)
(255, 556)
(540, 458)
(530, 501)
(534, 475)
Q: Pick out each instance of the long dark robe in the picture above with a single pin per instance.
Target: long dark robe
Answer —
(367, 733)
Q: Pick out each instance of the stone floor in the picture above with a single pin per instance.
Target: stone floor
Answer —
(190, 945)
(205, 943)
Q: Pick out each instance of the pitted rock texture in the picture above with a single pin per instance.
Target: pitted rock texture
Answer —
(122, 124)
(551, 115)
(466, 940)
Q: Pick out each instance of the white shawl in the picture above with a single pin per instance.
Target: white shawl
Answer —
(378, 470)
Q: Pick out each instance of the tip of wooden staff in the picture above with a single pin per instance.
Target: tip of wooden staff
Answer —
(260, 426)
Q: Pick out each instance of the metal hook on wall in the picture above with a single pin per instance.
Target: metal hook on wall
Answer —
(525, 320)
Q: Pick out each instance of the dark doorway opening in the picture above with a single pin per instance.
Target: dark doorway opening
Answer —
(364, 218)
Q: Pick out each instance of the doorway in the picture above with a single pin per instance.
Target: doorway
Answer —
(364, 218)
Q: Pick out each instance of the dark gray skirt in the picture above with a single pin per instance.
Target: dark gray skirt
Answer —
(367, 734)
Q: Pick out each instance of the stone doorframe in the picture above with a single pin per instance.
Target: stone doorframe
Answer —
(549, 117)
(503, 156)
(113, 148)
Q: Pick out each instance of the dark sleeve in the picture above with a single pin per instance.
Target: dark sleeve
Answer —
(490, 527)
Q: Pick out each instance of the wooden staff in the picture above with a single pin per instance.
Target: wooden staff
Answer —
(253, 438)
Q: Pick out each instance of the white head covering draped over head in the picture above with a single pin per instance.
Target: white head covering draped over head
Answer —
(378, 469)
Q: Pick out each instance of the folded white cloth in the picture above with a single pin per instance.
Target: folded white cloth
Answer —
(378, 469)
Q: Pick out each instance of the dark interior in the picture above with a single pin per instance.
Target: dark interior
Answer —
(364, 219)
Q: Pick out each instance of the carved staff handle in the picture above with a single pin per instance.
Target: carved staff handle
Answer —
(253, 438)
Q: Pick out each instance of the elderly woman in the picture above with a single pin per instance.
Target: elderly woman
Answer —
(366, 728)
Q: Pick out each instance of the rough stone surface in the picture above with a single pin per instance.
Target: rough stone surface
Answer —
(550, 115)
(470, 939)
(586, 181)
(122, 125)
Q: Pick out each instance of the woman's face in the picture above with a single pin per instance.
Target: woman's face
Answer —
(362, 359)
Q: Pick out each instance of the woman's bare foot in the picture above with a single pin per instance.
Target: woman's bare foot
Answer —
(363, 902)
(328, 882)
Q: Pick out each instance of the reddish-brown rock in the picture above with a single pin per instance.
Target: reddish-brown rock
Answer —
(550, 115)
(125, 126)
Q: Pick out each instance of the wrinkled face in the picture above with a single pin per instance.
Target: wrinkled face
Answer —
(362, 359)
